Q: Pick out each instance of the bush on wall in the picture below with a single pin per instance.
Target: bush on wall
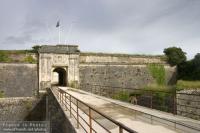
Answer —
(30, 59)
(158, 73)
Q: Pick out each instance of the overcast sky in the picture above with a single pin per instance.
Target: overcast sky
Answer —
(122, 26)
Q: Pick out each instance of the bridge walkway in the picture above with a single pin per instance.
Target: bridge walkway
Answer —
(138, 118)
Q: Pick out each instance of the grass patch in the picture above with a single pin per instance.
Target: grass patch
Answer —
(30, 59)
(1, 94)
(158, 88)
(158, 73)
(4, 57)
(15, 51)
(73, 84)
(181, 84)
(122, 95)
(120, 55)
(28, 105)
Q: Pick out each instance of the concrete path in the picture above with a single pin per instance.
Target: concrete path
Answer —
(128, 115)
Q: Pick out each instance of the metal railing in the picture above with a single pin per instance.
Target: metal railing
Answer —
(63, 96)
(72, 104)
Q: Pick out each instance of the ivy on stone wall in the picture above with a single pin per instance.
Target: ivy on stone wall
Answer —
(158, 73)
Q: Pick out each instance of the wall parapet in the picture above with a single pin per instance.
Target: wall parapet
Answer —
(98, 58)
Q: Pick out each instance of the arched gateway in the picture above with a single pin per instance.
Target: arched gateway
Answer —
(58, 65)
(59, 77)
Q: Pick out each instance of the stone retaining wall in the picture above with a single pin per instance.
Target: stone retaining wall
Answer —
(15, 109)
(59, 122)
(122, 76)
(188, 103)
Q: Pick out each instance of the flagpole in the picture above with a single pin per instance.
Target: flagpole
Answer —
(59, 35)
(58, 26)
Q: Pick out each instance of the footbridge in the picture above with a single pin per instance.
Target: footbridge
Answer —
(91, 113)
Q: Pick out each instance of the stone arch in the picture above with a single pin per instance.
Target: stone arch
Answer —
(61, 76)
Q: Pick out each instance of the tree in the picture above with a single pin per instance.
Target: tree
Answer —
(196, 69)
(196, 60)
(190, 70)
(36, 48)
(175, 56)
(185, 70)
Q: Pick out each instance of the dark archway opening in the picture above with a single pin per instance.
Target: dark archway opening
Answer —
(61, 76)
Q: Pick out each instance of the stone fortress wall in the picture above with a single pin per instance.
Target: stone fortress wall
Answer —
(115, 70)
(119, 70)
(16, 109)
(18, 79)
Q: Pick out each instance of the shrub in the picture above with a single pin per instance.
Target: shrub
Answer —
(158, 73)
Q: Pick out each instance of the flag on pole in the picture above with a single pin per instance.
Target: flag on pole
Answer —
(58, 24)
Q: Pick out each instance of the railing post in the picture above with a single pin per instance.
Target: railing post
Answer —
(62, 98)
(135, 113)
(59, 95)
(65, 101)
(151, 100)
(70, 106)
(90, 120)
(91, 89)
(120, 129)
(99, 90)
(174, 111)
(175, 125)
(77, 113)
